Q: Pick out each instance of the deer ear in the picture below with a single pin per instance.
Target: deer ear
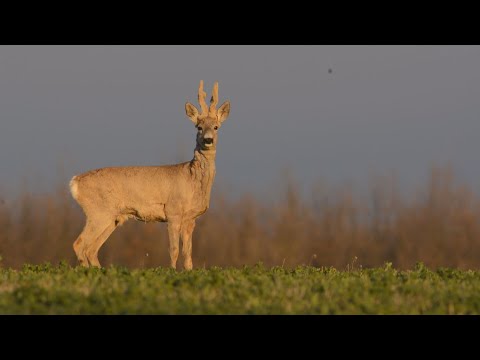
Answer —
(223, 111)
(192, 112)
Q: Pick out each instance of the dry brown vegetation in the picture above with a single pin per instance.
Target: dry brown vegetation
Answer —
(440, 226)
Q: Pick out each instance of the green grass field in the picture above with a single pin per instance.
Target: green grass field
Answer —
(47, 289)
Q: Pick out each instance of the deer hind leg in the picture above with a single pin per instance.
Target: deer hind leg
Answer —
(187, 231)
(94, 229)
(174, 238)
(93, 248)
(88, 234)
(78, 247)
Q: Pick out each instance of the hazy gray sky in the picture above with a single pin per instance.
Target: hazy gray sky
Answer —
(382, 108)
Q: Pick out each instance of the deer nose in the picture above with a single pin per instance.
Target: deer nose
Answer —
(208, 140)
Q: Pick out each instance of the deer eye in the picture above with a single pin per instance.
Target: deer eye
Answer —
(216, 127)
(199, 128)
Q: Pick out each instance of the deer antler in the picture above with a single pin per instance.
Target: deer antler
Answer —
(214, 100)
(202, 95)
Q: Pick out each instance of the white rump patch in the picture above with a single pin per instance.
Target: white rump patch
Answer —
(74, 187)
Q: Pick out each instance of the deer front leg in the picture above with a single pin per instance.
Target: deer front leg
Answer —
(187, 231)
(174, 238)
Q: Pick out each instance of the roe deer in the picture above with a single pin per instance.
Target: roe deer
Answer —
(176, 194)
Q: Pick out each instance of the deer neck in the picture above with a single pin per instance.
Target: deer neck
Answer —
(203, 164)
(206, 157)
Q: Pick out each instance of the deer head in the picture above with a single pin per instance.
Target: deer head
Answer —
(210, 120)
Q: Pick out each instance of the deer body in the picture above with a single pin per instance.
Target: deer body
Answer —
(176, 194)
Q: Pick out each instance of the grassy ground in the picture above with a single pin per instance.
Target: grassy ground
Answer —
(47, 289)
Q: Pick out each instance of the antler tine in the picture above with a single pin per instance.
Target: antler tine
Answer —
(202, 95)
(214, 99)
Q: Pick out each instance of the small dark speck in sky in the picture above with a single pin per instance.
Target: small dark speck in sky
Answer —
(329, 71)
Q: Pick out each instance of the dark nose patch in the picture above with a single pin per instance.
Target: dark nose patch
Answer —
(208, 140)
